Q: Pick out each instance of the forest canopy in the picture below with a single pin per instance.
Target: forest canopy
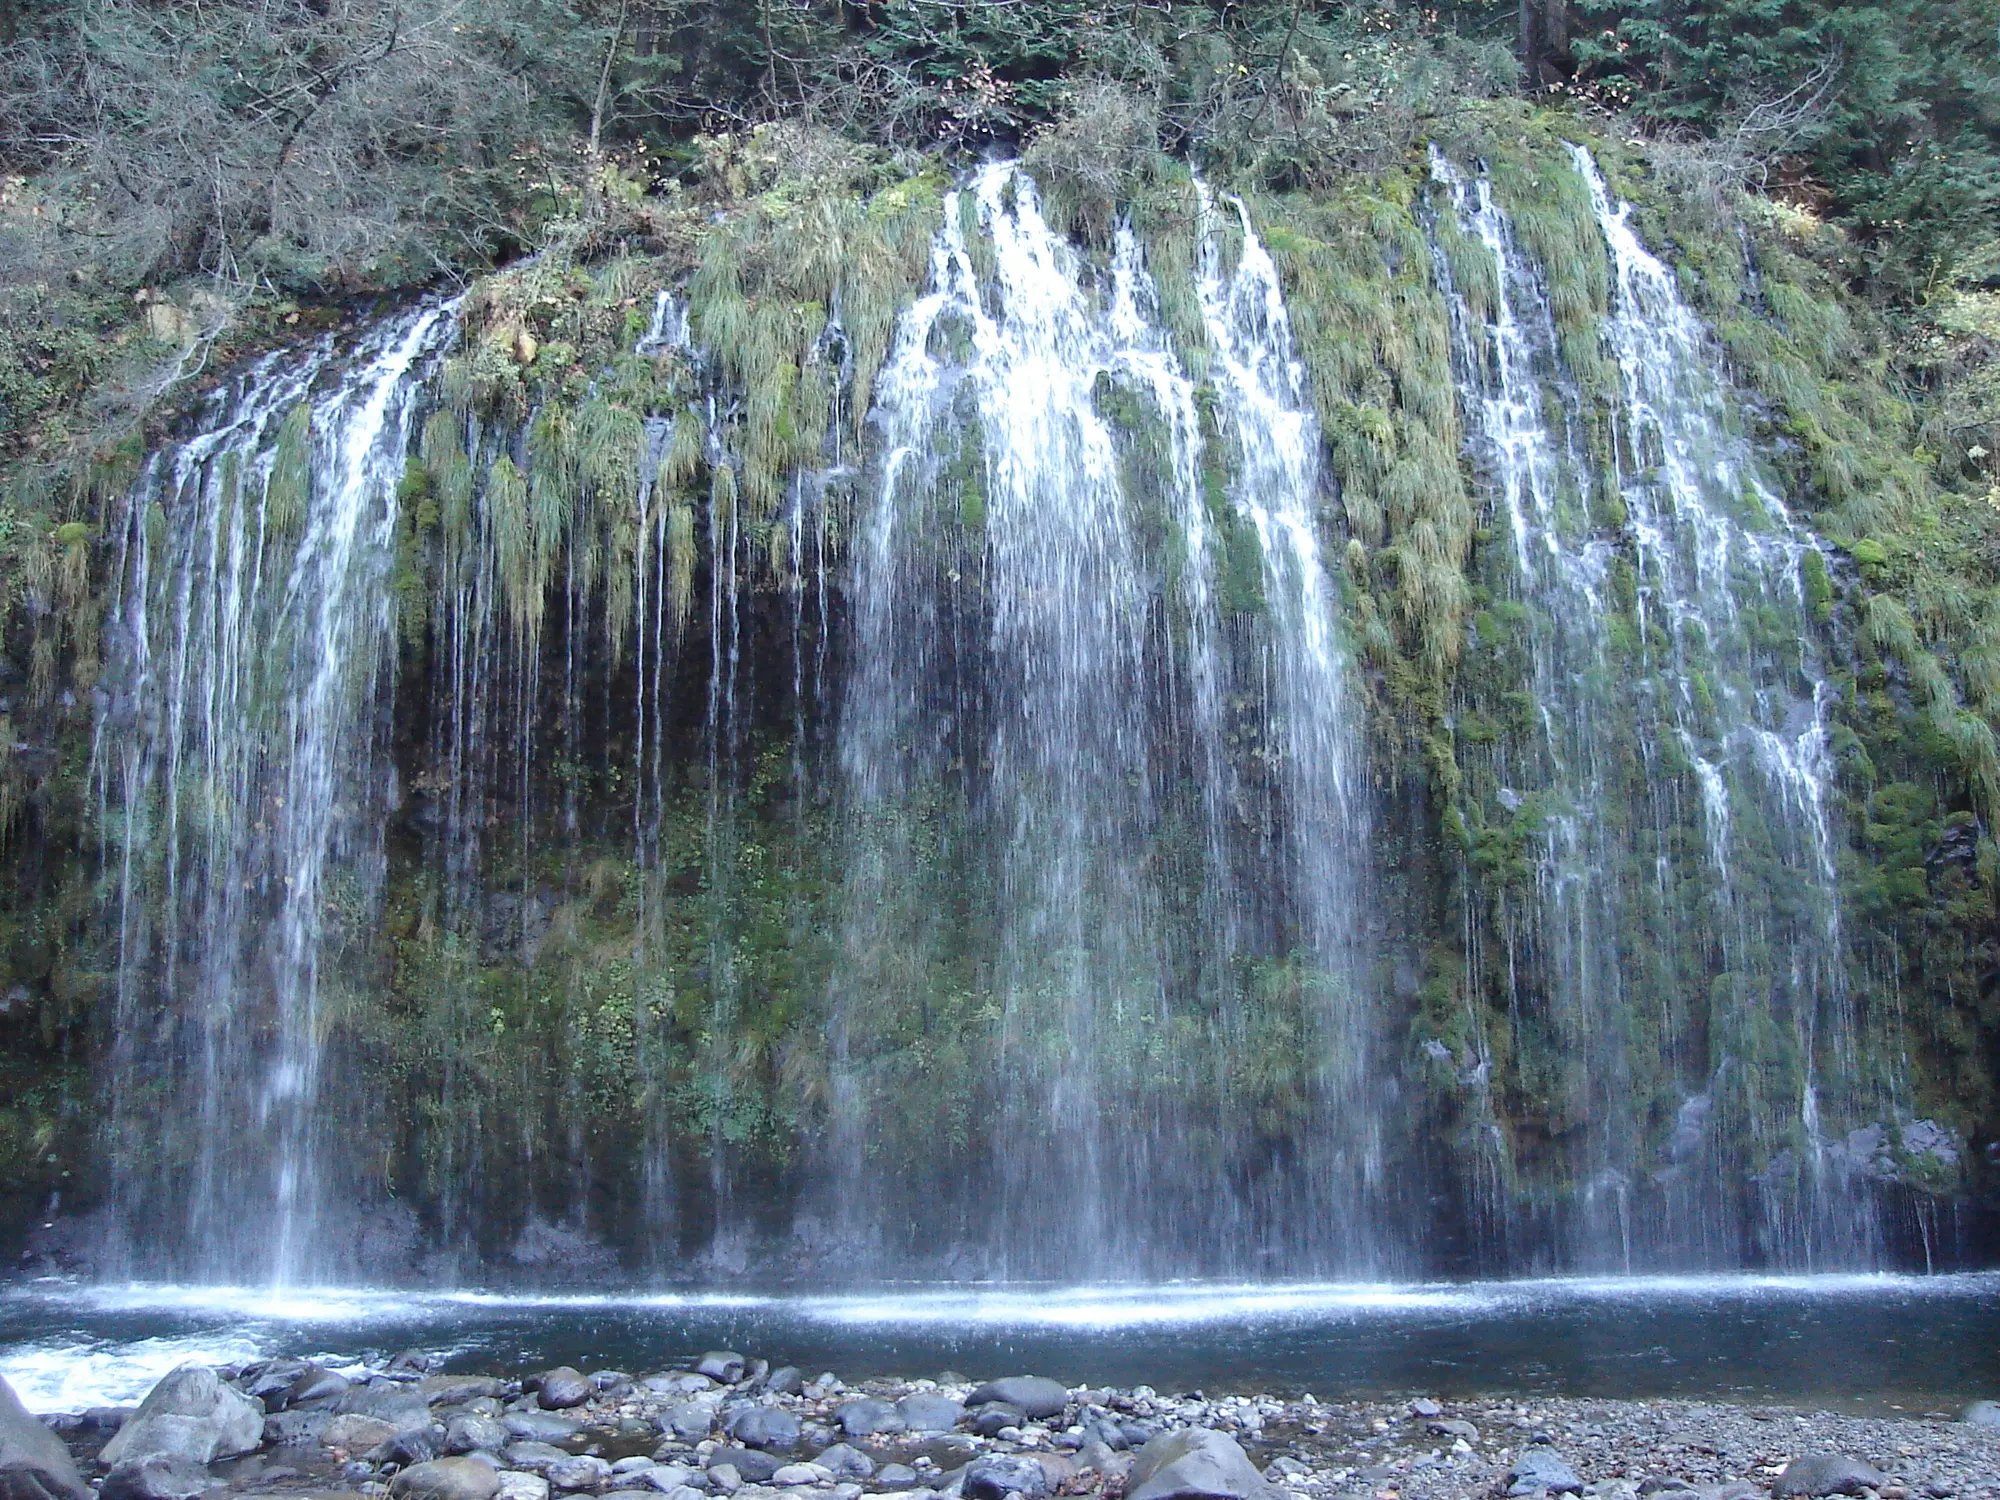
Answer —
(326, 145)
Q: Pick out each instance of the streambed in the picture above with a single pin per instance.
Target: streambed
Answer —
(1870, 1344)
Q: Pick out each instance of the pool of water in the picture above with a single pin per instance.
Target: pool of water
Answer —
(1861, 1343)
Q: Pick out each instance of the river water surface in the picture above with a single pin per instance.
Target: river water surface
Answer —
(1876, 1344)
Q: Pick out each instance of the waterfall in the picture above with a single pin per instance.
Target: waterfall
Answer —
(243, 790)
(1682, 940)
(1040, 695)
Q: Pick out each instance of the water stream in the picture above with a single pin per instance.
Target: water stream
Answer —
(1674, 684)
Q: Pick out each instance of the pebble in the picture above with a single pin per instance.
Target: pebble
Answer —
(1030, 1436)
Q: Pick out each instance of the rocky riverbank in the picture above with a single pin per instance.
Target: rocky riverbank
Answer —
(728, 1428)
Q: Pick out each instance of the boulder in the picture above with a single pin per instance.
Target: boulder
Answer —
(896, 1476)
(722, 1365)
(1196, 1462)
(797, 1474)
(467, 1433)
(581, 1472)
(562, 1388)
(532, 1456)
(271, 1383)
(34, 1464)
(926, 1411)
(786, 1380)
(750, 1465)
(678, 1383)
(317, 1388)
(402, 1406)
(690, 1421)
(1815, 1474)
(864, 1416)
(724, 1480)
(768, 1427)
(995, 1417)
(158, 1477)
(446, 1479)
(415, 1445)
(1036, 1395)
(666, 1478)
(450, 1390)
(541, 1426)
(515, 1484)
(300, 1429)
(843, 1461)
(354, 1433)
(1541, 1468)
(998, 1475)
(190, 1414)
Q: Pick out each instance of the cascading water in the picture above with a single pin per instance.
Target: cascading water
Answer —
(960, 853)
(1049, 689)
(1696, 981)
(243, 792)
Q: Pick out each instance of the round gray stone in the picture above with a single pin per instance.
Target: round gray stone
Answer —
(864, 1416)
(768, 1427)
(1816, 1474)
(724, 1365)
(1540, 1468)
(925, 1411)
(998, 1475)
(446, 1479)
(1036, 1395)
(562, 1388)
(844, 1461)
